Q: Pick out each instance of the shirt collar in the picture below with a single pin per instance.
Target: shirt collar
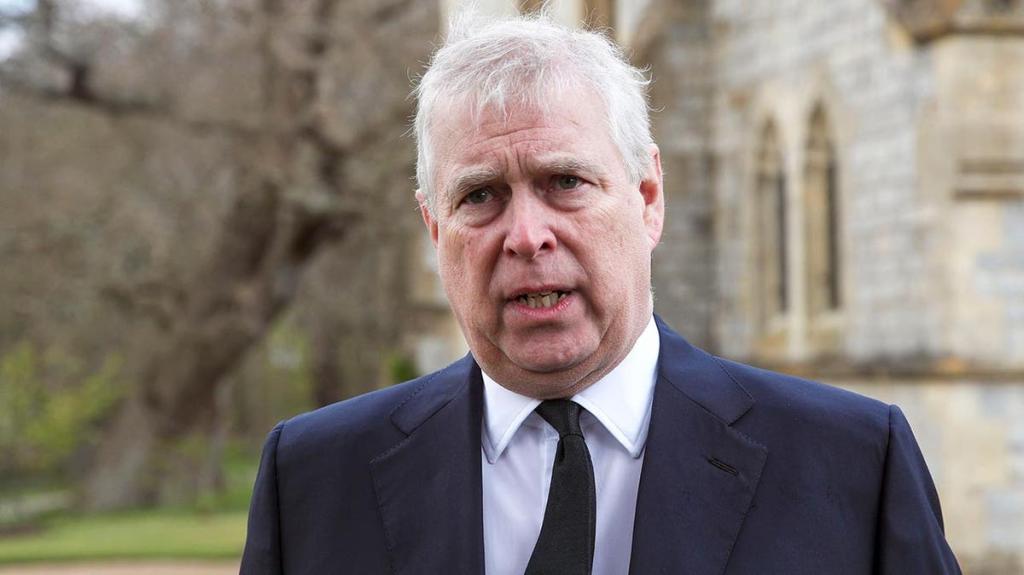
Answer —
(621, 401)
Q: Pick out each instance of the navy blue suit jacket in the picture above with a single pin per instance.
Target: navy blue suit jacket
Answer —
(745, 472)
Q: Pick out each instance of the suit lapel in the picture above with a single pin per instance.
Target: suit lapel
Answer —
(699, 474)
(428, 486)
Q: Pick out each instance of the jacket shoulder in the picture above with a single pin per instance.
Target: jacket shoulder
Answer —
(366, 423)
(809, 406)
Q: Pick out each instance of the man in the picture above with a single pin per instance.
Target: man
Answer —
(581, 434)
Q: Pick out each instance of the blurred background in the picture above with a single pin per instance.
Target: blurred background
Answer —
(207, 224)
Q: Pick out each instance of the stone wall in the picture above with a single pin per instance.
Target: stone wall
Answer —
(776, 62)
(930, 143)
(674, 41)
(972, 148)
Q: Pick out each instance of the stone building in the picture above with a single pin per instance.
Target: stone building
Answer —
(845, 188)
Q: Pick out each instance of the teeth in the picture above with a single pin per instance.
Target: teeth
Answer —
(543, 299)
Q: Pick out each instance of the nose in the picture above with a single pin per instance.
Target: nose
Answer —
(529, 227)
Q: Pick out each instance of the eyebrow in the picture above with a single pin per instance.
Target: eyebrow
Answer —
(567, 164)
(470, 178)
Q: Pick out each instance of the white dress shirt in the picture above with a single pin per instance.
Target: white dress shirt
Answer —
(519, 451)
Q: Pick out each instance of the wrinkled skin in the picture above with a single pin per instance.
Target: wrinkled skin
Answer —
(542, 202)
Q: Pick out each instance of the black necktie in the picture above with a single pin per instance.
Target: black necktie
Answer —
(566, 542)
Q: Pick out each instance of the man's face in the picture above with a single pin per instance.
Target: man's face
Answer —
(543, 242)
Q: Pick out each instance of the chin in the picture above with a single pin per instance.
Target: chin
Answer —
(546, 364)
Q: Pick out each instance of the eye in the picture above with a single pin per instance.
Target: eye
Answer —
(480, 196)
(567, 182)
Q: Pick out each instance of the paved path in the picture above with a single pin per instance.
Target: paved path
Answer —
(125, 568)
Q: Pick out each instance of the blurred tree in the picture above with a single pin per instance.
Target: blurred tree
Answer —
(302, 104)
(42, 417)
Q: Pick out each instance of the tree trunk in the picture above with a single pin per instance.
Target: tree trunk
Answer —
(328, 382)
(250, 276)
(125, 451)
(268, 238)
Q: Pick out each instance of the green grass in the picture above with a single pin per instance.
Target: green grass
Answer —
(213, 529)
(138, 535)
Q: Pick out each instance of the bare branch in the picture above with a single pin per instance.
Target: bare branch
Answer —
(156, 300)
(77, 92)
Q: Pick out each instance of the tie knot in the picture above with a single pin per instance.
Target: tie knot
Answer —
(563, 415)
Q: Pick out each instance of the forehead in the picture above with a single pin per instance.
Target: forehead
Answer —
(569, 124)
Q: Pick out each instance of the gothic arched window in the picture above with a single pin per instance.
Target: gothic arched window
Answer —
(822, 219)
(772, 265)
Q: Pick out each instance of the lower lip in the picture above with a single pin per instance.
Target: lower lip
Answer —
(542, 312)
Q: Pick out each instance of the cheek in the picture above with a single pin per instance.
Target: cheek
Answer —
(623, 253)
(619, 232)
(465, 263)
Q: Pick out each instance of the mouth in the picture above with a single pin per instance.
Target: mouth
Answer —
(541, 299)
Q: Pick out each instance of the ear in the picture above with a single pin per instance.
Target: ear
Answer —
(653, 193)
(428, 218)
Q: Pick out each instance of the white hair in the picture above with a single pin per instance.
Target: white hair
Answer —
(518, 62)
